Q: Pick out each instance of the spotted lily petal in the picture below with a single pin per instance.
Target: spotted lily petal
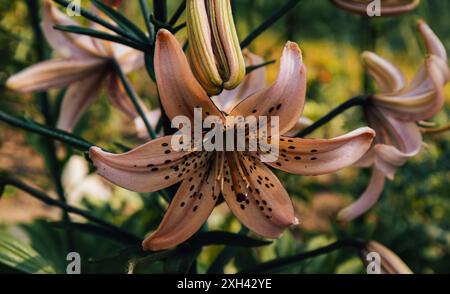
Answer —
(150, 167)
(388, 7)
(179, 90)
(190, 208)
(367, 200)
(66, 44)
(79, 96)
(285, 98)
(256, 196)
(51, 74)
(253, 82)
(320, 156)
(388, 77)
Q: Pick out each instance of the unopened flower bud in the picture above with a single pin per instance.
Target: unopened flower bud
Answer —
(214, 49)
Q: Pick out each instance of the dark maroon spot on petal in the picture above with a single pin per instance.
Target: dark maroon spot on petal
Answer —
(240, 197)
(292, 147)
(278, 106)
(166, 177)
(195, 208)
(182, 204)
(150, 165)
(313, 158)
(165, 144)
(155, 169)
(168, 161)
(314, 151)
(279, 164)
(167, 151)
(297, 158)
(242, 206)
(264, 202)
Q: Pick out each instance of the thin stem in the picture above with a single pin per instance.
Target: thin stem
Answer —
(102, 35)
(282, 262)
(160, 10)
(89, 15)
(269, 22)
(368, 39)
(148, 23)
(55, 134)
(176, 16)
(53, 162)
(133, 96)
(64, 206)
(355, 101)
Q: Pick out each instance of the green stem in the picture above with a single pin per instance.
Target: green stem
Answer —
(176, 16)
(368, 39)
(279, 263)
(160, 10)
(67, 208)
(269, 22)
(55, 134)
(148, 23)
(355, 101)
(53, 162)
(133, 96)
(89, 15)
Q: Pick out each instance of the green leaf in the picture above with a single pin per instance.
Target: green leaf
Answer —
(100, 35)
(225, 238)
(17, 255)
(98, 231)
(121, 20)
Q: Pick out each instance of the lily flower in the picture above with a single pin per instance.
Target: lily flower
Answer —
(84, 66)
(388, 7)
(393, 114)
(214, 49)
(249, 187)
(390, 262)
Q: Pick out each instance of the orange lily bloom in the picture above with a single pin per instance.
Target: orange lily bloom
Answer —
(84, 65)
(393, 114)
(249, 187)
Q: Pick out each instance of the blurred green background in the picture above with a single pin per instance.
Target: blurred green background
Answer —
(412, 217)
